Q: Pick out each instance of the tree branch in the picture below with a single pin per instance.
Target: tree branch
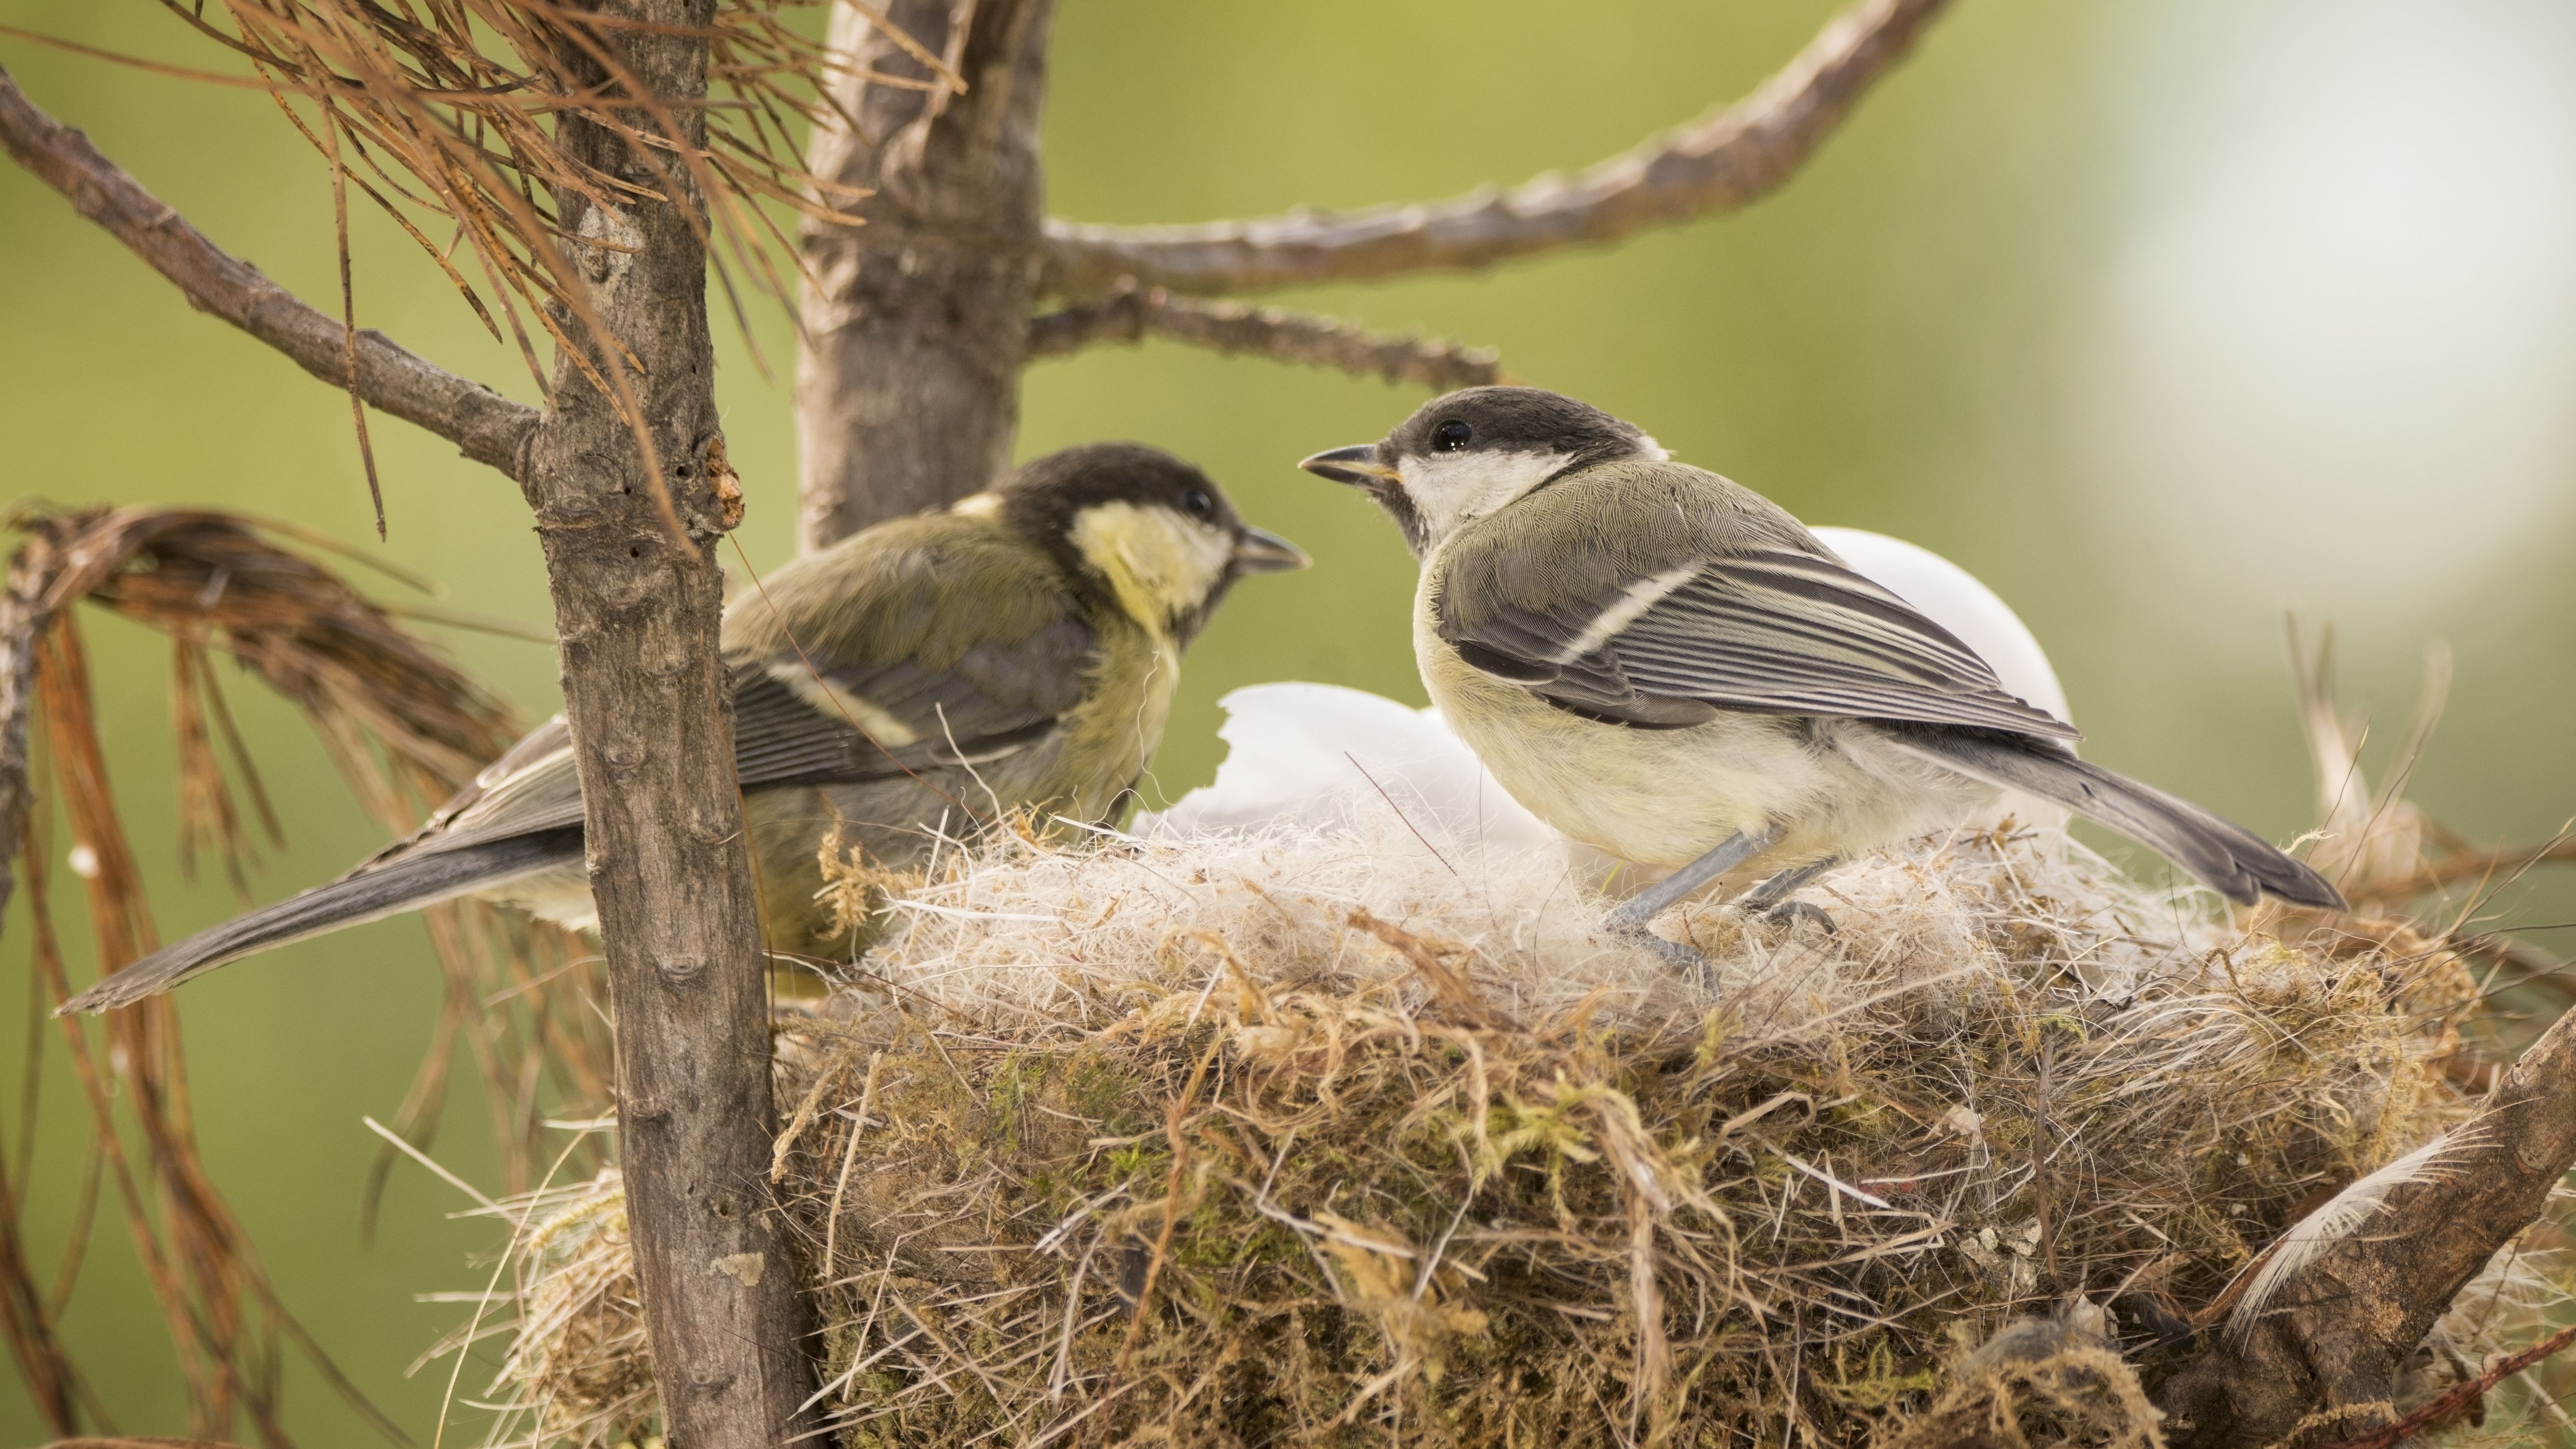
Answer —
(916, 324)
(1129, 312)
(646, 693)
(2337, 1334)
(489, 428)
(1727, 158)
(2483, 866)
(2460, 1396)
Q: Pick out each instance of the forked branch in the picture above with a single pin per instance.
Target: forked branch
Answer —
(1129, 312)
(490, 428)
(1727, 158)
(2323, 1348)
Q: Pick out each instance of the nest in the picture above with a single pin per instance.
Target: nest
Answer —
(1313, 1135)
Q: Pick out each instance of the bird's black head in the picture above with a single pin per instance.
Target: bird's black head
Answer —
(1462, 456)
(1149, 533)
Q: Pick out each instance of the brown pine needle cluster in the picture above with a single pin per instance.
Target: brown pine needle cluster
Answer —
(406, 727)
(443, 114)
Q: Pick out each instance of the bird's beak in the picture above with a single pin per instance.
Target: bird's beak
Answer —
(1260, 551)
(1356, 465)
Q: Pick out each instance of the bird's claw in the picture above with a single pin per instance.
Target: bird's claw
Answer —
(1673, 953)
(1788, 914)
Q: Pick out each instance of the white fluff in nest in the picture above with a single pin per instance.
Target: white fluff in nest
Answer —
(1023, 936)
(1320, 755)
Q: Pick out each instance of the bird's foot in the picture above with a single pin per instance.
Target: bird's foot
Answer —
(1787, 915)
(1679, 956)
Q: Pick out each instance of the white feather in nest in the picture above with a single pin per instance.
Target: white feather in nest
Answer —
(1323, 756)
(2341, 1217)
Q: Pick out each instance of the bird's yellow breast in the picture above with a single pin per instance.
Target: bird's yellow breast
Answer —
(1111, 736)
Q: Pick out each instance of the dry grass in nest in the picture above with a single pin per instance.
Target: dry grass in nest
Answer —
(578, 1359)
(1308, 1136)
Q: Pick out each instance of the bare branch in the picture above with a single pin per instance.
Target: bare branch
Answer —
(2460, 1396)
(1727, 158)
(2337, 1333)
(1129, 312)
(487, 426)
(2484, 867)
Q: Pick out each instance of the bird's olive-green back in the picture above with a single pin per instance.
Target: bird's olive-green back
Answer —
(926, 588)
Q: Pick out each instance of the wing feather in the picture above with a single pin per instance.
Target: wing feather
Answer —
(937, 691)
(1742, 610)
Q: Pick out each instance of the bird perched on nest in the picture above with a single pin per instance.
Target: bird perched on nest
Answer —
(1668, 666)
(1016, 650)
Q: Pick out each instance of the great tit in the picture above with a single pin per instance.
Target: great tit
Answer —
(1666, 665)
(1015, 651)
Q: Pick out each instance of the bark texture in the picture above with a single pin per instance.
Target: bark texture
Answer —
(24, 612)
(490, 428)
(644, 688)
(916, 324)
(2336, 1338)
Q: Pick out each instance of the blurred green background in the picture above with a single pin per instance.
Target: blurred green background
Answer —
(2161, 318)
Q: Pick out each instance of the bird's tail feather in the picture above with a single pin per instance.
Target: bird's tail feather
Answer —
(2226, 857)
(406, 883)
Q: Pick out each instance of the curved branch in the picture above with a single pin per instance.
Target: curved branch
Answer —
(490, 428)
(1725, 159)
(2484, 867)
(1129, 312)
(2338, 1331)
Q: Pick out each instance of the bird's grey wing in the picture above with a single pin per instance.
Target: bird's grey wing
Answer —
(532, 788)
(796, 724)
(1667, 637)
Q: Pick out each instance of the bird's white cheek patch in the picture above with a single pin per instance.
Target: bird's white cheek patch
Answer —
(1455, 490)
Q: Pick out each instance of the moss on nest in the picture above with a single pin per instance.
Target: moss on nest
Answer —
(1319, 1137)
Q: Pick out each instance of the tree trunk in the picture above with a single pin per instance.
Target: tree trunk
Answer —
(916, 324)
(637, 611)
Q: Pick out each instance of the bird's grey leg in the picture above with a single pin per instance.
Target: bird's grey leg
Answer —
(1770, 900)
(1632, 916)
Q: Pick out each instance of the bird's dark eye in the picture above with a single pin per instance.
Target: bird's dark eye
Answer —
(1199, 503)
(1450, 436)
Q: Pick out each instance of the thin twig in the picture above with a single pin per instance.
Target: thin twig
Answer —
(1129, 312)
(2459, 1396)
(2472, 865)
(487, 426)
(1724, 160)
